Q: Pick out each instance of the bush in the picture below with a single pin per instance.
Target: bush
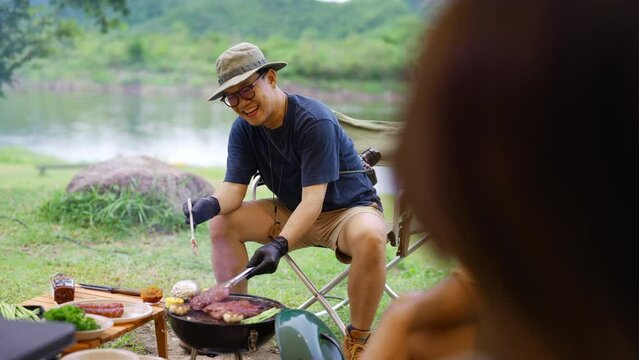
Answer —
(119, 209)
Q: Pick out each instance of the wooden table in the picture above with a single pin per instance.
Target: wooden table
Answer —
(157, 315)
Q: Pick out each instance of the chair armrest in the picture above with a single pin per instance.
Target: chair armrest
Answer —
(255, 182)
(402, 217)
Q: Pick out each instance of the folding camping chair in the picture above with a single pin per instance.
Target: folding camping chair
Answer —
(364, 133)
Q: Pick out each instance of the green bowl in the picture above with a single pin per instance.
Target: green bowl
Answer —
(302, 335)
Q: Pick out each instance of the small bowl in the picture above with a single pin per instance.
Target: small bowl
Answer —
(102, 354)
(36, 307)
(151, 294)
(104, 323)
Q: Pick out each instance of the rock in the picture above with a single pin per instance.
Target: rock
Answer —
(143, 174)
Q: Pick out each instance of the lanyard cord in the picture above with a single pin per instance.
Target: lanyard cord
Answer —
(276, 223)
(279, 185)
(270, 165)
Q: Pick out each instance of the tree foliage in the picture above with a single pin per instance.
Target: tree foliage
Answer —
(261, 19)
(32, 30)
(169, 42)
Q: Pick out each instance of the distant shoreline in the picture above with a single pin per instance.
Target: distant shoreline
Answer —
(71, 86)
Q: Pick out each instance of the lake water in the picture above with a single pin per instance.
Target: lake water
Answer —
(95, 126)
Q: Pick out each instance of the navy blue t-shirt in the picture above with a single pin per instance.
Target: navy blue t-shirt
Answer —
(309, 148)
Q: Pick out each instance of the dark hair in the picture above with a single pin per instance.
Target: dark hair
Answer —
(525, 116)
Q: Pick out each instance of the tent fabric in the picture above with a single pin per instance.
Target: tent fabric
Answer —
(380, 135)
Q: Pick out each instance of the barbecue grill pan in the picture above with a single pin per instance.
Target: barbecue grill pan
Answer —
(201, 332)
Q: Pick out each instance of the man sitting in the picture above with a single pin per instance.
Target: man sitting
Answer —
(322, 195)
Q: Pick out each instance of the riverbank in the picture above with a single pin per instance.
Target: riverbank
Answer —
(391, 94)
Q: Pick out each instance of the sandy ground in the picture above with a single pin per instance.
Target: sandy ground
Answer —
(146, 336)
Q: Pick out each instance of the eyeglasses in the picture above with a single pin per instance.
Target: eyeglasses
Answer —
(246, 93)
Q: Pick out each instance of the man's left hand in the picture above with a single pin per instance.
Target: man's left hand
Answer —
(266, 258)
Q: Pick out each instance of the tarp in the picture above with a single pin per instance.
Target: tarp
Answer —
(381, 135)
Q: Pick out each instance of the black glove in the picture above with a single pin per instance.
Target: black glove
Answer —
(203, 209)
(266, 258)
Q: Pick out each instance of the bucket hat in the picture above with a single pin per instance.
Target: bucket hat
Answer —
(238, 63)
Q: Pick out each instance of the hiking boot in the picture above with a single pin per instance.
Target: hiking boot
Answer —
(354, 343)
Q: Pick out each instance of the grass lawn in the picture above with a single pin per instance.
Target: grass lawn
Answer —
(33, 249)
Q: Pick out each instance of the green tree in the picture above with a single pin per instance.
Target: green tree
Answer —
(29, 31)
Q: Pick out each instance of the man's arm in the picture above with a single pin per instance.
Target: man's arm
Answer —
(227, 198)
(230, 196)
(305, 214)
(266, 258)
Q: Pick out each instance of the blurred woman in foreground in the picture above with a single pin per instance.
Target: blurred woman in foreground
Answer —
(520, 154)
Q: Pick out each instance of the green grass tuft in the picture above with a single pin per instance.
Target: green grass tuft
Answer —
(116, 209)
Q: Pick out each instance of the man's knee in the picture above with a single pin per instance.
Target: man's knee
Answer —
(248, 222)
(370, 245)
(365, 236)
(218, 227)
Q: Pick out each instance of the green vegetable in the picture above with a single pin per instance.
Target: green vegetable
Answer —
(72, 314)
(17, 312)
(264, 315)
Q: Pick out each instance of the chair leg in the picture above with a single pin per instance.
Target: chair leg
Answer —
(390, 292)
(328, 287)
(334, 307)
(319, 295)
(397, 259)
(316, 293)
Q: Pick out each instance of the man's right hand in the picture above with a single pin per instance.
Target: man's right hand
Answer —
(203, 209)
(266, 258)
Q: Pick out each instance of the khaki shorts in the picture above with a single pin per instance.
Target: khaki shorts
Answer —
(327, 228)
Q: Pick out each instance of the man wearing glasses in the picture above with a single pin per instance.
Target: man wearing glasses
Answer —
(310, 165)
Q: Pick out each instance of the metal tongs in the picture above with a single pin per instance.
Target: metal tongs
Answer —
(236, 280)
(221, 291)
(196, 252)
